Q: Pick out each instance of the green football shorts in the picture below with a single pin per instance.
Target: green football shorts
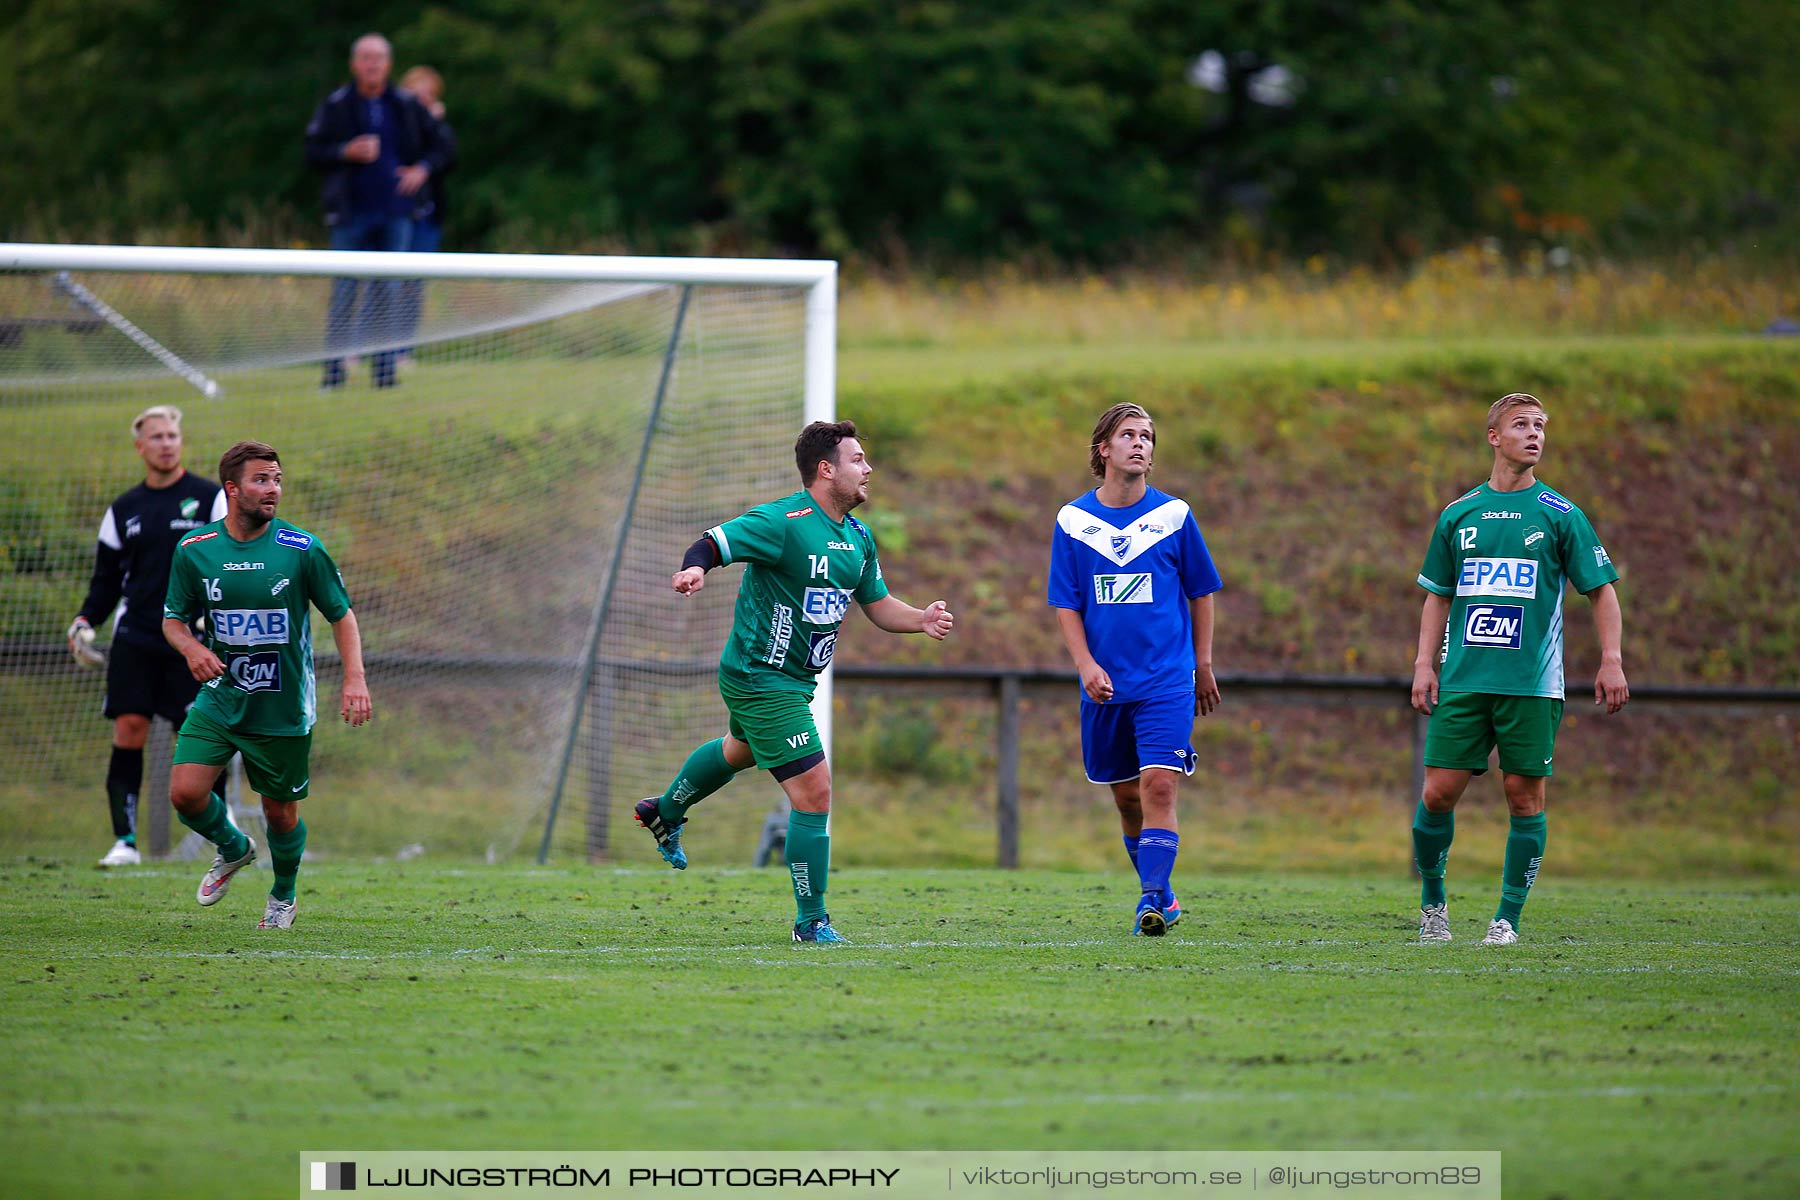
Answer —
(277, 767)
(777, 724)
(1466, 726)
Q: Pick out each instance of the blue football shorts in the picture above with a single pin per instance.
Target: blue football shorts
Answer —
(1119, 741)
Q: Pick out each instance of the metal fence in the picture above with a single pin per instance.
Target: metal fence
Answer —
(1009, 683)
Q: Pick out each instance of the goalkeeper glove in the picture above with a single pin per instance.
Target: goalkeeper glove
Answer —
(81, 644)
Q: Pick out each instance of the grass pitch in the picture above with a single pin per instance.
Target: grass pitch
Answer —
(1640, 1042)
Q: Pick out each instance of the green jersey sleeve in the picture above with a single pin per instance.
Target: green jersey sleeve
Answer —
(183, 601)
(871, 587)
(759, 536)
(1438, 575)
(1584, 558)
(325, 584)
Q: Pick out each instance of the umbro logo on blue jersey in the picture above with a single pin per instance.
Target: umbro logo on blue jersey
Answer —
(1090, 531)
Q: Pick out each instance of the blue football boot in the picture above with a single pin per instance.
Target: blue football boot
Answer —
(1151, 921)
(1172, 914)
(819, 931)
(668, 837)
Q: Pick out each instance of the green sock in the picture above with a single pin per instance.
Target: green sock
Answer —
(1432, 834)
(704, 773)
(1524, 854)
(215, 826)
(285, 850)
(809, 860)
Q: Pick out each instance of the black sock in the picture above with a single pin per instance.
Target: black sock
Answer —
(124, 779)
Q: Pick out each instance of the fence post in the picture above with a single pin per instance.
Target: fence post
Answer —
(1006, 807)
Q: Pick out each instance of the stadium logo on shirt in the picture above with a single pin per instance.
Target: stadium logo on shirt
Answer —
(1121, 544)
(257, 672)
(1123, 589)
(1497, 626)
(293, 538)
(1498, 577)
(825, 606)
(249, 626)
(1552, 500)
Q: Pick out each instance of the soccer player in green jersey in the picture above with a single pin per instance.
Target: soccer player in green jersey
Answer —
(806, 559)
(1494, 572)
(253, 577)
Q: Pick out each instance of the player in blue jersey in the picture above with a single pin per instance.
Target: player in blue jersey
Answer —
(1132, 584)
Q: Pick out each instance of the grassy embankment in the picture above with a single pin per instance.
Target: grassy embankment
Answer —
(1316, 462)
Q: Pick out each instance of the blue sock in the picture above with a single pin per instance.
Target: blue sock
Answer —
(1155, 861)
(1131, 845)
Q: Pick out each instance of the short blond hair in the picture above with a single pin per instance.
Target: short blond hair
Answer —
(1505, 404)
(1109, 423)
(156, 412)
(428, 75)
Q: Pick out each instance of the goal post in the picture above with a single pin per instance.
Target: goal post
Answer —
(506, 515)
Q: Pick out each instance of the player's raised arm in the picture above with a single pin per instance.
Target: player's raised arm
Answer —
(896, 616)
(700, 558)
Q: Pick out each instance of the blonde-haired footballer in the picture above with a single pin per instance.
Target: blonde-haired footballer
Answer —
(1494, 572)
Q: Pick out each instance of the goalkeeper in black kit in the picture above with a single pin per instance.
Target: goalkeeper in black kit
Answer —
(145, 678)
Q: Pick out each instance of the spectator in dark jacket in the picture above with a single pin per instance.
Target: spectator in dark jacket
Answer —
(377, 147)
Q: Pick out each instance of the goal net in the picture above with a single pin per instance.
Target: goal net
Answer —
(506, 514)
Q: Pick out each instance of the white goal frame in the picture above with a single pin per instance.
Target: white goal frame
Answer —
(817, 276)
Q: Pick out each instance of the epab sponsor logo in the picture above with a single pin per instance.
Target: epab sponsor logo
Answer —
(293, 539)
(260, 672)
(824, 606)
(1498, 577)
(1496, 626)
(249, 626)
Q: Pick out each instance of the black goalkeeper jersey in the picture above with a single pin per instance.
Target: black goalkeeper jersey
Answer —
(138, 535)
